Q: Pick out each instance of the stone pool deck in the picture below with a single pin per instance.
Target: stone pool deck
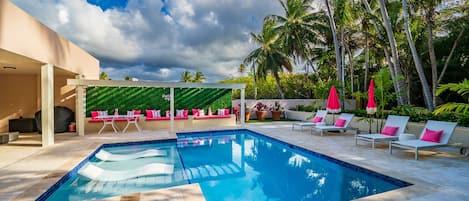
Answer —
(27, 170)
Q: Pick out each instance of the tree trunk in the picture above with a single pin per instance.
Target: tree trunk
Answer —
(254, 81)
(386, 51)
(334, 37)
(279, 87)
(418, 65)
(350, 58)
(392, 41)
(431, 52)
(367, 62)
(455, 44)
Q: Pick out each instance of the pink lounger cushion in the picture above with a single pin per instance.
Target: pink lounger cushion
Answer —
(340, 122)
(432, 135)
(317, 119)
(390, 130)
(165, 118)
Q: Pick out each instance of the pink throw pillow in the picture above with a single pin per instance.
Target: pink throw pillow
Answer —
(340, 122)
(185, 113)
(195, 112)
(149, 113)
(390, 130)
(317, 119)
(94, 114)
(227, 111)
(432, 136)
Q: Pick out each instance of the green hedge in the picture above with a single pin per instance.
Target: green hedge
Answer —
(142, 98)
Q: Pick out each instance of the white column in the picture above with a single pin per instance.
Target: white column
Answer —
(243, 108)
(171, 109)
(80, 110)
(47, 104)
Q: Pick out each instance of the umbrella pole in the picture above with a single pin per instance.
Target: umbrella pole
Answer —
(369, 120)
(377, 125)
(333, 118)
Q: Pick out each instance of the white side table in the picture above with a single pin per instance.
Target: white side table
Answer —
(407, 136)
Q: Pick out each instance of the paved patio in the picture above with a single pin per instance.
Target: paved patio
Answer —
(27, 170)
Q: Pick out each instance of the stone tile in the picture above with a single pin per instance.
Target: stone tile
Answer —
(27, 170)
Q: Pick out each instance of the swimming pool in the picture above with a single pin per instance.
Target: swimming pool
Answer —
(230, 165)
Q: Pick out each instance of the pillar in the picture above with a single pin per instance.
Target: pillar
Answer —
(80, 110)
(243, 107)
(47, 104)
(171, 109)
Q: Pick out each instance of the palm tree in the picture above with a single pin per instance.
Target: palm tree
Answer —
(336, 41)
(199, 77)
(396, 72)
(186, 76)
(104, 76)
(269, 58)
(416, 57)
(300, 29)
(462, 89)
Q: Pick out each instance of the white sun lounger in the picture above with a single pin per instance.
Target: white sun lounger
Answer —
(93, 172)
(347, 117)
(106, 156)
(392, 120)
(319, 113)
(447, 127)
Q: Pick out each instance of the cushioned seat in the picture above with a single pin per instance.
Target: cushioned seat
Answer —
(213, 117)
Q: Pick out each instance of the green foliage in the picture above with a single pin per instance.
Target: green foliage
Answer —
(384, 88)
(141, 98)
(461, 89)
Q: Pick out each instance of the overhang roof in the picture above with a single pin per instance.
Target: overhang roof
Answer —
(123, 83)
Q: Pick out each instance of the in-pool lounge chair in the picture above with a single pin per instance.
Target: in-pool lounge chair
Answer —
(394, 126)
(319, 119)
(435, 134)
(341, 124)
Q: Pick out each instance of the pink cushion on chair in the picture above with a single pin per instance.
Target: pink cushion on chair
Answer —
(390, 130)
(317, 119)
(340, 122)
(432, 135)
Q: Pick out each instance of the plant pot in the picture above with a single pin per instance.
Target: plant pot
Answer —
(261, 115)
(247, 115)
(276, 115)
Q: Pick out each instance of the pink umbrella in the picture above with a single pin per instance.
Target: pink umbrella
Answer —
(333, 104)
(371, 105)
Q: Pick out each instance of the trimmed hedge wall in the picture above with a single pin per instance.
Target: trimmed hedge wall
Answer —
(142, 98)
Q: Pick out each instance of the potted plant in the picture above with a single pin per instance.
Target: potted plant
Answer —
(261, 111)
(247, 112)
(276, 111)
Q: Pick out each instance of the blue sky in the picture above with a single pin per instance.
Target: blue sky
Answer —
(107, 4)
(158, 39)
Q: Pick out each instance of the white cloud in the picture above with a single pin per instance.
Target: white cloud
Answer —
(141, 41)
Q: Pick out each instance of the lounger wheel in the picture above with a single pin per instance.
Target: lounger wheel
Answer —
(463, 151)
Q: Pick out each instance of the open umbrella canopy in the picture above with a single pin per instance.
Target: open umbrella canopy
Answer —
(371, 105)
(333, 104)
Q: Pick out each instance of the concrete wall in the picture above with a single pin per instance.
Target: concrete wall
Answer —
(24, 35)
(18, 98)
(461, 134)
(289, 103)
(21, 96)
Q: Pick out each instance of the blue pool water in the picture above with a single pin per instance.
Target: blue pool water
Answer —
(232, 165)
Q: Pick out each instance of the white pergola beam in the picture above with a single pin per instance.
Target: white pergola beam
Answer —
(122, 83)
(47, 104)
